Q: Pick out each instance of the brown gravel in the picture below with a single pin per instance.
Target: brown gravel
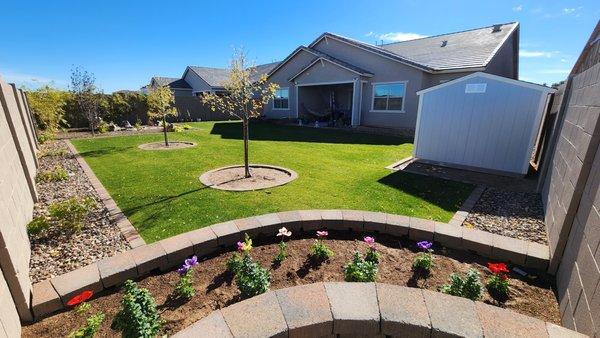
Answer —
(232, 178)
(532, 295)
(508, 213)
(55, 253)
(161, 145)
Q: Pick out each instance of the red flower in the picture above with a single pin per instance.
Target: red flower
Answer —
(80, 298)
(497, 268)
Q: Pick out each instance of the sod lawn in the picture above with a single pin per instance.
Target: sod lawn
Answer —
(161, 194)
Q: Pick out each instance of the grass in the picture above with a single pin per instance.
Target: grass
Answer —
(160, 193)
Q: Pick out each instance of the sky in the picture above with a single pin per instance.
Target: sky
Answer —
(124, 43)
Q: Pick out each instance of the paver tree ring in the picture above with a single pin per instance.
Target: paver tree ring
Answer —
(172, 145)
(232, 178)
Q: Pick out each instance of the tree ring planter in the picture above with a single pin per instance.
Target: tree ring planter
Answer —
(172, 145)
(232, 178)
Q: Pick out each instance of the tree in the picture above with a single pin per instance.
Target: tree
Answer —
(160, 105)
(48, 106)
(244, 98)
(83, 88)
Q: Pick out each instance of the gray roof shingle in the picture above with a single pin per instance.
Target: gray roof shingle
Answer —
(171, 82)
(321, 55)
(215, 77)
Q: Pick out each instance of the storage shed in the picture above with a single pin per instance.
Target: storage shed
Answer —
(481, 122)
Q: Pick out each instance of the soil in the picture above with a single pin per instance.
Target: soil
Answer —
(161, 145)
(509, 213)
(262, 177)
(531, 295)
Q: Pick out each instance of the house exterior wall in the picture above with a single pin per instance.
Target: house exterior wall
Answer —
(453, 126)
(181, 92)
(197, 84)
(431, 80)
(503, 63)
(325, 72)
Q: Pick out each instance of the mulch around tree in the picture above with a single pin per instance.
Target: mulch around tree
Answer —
(161, 145)
(233, 178)
(532, 295)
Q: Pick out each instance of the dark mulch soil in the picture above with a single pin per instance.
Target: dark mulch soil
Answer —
(531, 295)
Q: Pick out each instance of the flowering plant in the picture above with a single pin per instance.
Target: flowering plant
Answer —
(498, 283)
(79, 301)
(424, 260)
(360, 270)
(185, 288)
(319, 251)
(246, 245)
(372, 255)
(282, 254)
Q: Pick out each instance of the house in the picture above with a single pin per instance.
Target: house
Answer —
(355, 83)
(179, 86)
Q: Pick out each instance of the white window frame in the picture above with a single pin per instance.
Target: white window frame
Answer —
(288, 99)
(373, 110)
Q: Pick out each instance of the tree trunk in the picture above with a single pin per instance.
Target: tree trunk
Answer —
(246, 136)
(165, 130)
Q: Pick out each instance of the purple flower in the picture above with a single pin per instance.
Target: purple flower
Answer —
(187, 265)
(424, 245)
(183, 270)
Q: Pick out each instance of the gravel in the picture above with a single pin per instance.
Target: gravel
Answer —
(508, 213)
(54, 252)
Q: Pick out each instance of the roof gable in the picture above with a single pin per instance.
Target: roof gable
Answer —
(171, 82)
(334, 61)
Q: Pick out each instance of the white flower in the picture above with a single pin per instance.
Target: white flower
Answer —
(284, 232)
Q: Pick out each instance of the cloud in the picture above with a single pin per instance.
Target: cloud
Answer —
(29, 80)
(400, 36)
(517, 8)
(536, 54)
(371, 33)
(555, 71)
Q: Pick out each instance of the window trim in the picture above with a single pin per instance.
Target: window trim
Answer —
(288, 100)
(373, 110)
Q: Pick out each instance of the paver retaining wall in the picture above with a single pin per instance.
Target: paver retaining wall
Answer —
(18, 167)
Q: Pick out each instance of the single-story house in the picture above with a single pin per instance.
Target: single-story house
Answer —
(340, 79)
(179, 86)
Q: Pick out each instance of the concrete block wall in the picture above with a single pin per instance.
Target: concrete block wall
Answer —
(18, 168)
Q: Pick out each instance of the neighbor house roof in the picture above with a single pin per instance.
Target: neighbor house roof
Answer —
(215, 77)
(171, 82)
(461, 50)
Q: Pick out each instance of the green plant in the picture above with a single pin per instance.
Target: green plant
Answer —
(498, 284)
(234, 263)
(178, 128)
(138, 124)
(103, 127)
(468, 287)
(423, 262)
(360, 270)
(319, 251)
(251, 278)
(138, 316)
(281, 254)
(185, 288)
(83, 307)
(69, 214)
(46, 136)
(52, 153)
(91, 327)
(372, 255)
(38, 225)
(58, 174)
(48, 106)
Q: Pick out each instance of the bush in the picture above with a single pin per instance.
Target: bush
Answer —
(46, 136)
(372, 255)
(234, 263)
(138, 316)
(53, 153)
(48, 106)
(251, 278)
(103, 127)
(360, 270)
(468, 287)
(37, 226)
(69, 214)
(58, 174)
(91, 327)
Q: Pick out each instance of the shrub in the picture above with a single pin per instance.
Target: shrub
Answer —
(468, 287)
(58, 174)
(251, 278)
(103, 127)
(53, 153)
(91, 327)
(360, 270)
(46, 136)
(185, 288)
(138, 316)
(48, 106)
(234, 263)
(423, 262)
(498, 283)
(319, 251)
(69, 214)
(38, 225)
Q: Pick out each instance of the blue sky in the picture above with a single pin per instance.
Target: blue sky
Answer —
(124, 43)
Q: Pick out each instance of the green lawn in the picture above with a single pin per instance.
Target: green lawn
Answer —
(160, 193)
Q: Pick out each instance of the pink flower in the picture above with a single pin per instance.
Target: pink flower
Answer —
(370, 241)
(322, 233)
(240, 246)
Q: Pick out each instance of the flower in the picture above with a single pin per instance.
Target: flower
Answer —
(370, 241)
(498, 268)
(424, 245)
(322, 233)
(80, 298)
(240, 246)
(244, 246)
(193, 261)
(284, 232)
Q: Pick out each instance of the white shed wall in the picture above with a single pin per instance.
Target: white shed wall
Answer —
(495, 130)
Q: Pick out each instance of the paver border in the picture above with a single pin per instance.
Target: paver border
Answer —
(380, 318)
(205, 177)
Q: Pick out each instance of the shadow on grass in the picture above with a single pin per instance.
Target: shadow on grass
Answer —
(266, 131)
(445, 194)
(132, 210)
(105, 151)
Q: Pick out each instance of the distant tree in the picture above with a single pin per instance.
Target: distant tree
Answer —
(160, 105)
(244, 98)
(83, 88)
(48, 106)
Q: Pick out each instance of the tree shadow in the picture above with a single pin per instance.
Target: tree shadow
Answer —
(267, 131)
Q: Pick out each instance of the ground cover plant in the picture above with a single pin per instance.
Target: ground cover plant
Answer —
(216, 287)
(161, 195)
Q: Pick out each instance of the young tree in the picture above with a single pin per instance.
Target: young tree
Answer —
(160, 105)
(48, 106)
(83, 88)
(244, 98)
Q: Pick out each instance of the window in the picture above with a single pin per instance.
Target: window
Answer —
(282, 99)
(389, 96)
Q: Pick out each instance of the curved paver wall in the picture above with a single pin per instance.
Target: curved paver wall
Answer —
(367, 310)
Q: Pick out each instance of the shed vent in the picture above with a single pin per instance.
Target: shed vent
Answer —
(496, 28)
(444, 43)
